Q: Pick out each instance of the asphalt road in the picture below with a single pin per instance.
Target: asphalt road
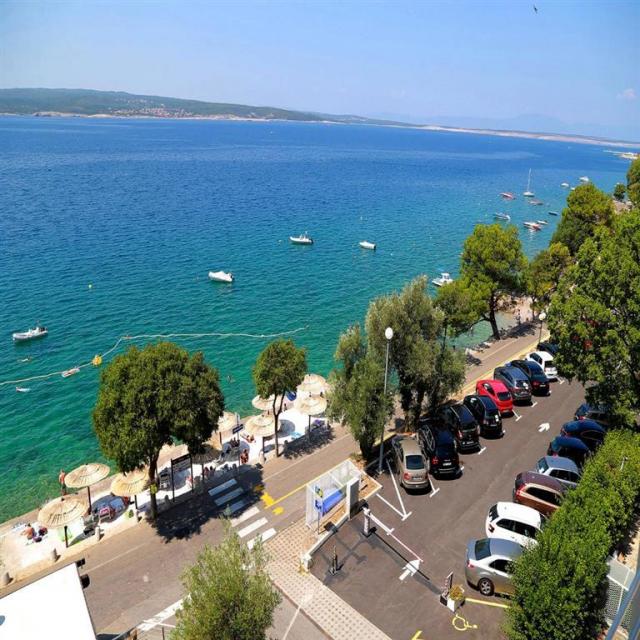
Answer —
(437, 532)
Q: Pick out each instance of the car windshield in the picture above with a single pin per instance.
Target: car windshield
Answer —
(482, 549)
(445, 449)
(503, 395)
(414, 462)
(493, 512)
(582, 410)
(542, 465)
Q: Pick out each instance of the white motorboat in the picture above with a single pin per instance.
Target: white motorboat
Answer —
(220, 276)
(564, 185)
(32, 334)
(528, 193)
(23, 389)
(536, 202)
(303, 239)
(533, 226)
(367, 245)
(583, 179)
(507, 195)
(542, 222)
(70, 372)
(502, 216)
(445, 278)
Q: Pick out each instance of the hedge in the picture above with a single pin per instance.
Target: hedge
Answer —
(560, 584)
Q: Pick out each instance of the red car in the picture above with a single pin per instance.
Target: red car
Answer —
(498, 392)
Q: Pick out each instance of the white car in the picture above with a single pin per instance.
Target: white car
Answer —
(545, 360)
(513, 522)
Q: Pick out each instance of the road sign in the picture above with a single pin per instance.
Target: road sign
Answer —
(237, 429)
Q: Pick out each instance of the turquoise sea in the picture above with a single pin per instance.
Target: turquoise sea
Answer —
(141, 210)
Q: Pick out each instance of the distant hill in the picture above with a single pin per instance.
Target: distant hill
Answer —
(88, 102)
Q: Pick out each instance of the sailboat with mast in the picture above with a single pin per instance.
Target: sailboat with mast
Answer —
(528, 193)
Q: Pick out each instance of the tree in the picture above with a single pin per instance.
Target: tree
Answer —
(633, 182)
(280, 367)
(358, 397)
(594, 317)
(587, 208)
(462, 306)
(230, 594)
(151, 397)
(492, 264)
(619, 191)
(544, 272)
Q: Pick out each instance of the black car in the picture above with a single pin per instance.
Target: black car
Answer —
(535, 373)
(571, 448)
(461, 422)
(549, 347)
(486, 412)
(516, 382)
(597, 413)
(589, 431)
(439, 446)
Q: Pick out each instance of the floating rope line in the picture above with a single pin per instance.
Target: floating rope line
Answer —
(154, 336)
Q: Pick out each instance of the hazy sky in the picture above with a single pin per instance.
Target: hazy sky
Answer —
(578, 62)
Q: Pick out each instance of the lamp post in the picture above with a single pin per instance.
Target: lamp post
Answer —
(542, 318)
(388, 334)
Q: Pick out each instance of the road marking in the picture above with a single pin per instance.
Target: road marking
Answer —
(278, 510)
(433, 493)
(222, 487)
(250, 528)
(110, 560)
(159, 618)
(267, 499)
(417, 636)
(249, 513)
(405, 515)
(402, 515)
(293, 619)
(410, 569)
(560, 380)
(534, 404)
(489, 604)
(236, 506)
(517, 416)
(482, 450)
(264, 536)
(462, 468)
(545, 426)
(229, 497)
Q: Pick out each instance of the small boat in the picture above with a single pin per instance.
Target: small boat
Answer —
(303, 239)
(553, 213)
(507, 195)
(528, 193)
(367, 245)
(536, 202)
(70, 372)
(583, 179)
(31, 334)
(23, 389)
(564, 185)
(220, 276)
(445, 278)
(533, 226)
(542, 222)
(502, 216)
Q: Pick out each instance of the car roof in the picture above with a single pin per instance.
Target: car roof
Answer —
(487, 402)
(519, 512)
(560, 462)
(502, 547)
(443, 436)
(531, 477)
(498, 385)
(545, 355)
(568, 441)
(409, 446)
(584, 424)
(514, 371)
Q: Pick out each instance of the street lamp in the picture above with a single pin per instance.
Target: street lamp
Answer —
(388, 334)
(542, 318)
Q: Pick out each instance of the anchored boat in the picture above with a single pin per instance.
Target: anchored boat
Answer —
(368, 245)
(533, 226)
(445, 278)
(31, 334)
(220, 276)
(70, 372)
(507, 195)
(553, 213)
(528, 193)
(502, 216)
(303, 239)
(536, 202)
(583, 179)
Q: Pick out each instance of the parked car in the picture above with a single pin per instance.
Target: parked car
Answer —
(533, 371)
(567, 447)
(487, 414)
(513, 522)
(489, 562)
(599, 413)
(496, 390)
(538, 491)
(412, 468)
(516, 382)
(460, 421)
(549, 347)
(545, 360)
(589, 431)
(562, 469)
(439, 446)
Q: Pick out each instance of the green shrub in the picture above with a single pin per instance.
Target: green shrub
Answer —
(561, 583)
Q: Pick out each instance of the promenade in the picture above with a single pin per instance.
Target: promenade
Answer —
(135, 574)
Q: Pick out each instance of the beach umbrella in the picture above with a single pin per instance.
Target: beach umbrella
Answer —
(312, 384)
(259, 426)
(61, 512)
(312, 406)
(130, 484)
(265, 404)
(85, 475)
(209, 453)
(226, 424)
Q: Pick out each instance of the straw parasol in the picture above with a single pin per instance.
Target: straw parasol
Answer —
(61, 512)
(130, 484)
(85, 475)
(265, 404)
(312, 384)
(312, 406)
(259, 426)
(226, 424)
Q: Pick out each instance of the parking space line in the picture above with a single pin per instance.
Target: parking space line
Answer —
(534, 404)
(517, 416)
(391, 506)
(489, 604)
(417, 635)
(405, 515)
(433, 493)
(482, 450)
(560, 380)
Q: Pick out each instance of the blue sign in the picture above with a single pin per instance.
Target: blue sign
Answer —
(240, 427)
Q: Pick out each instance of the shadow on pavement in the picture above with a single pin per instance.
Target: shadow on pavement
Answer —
(318, 438)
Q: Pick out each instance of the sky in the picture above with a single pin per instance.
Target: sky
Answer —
(570, 66)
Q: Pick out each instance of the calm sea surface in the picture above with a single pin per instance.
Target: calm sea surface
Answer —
(141, 210)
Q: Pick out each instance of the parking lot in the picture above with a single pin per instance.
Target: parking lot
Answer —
(432, 531)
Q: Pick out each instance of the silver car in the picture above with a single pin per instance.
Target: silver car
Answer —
(562, 469)
(488, 565)
(410, 463)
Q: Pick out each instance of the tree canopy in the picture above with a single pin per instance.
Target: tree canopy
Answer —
(633, 182)
(462, 305)
(151, 397)
(280, 367)
(594, 317)
(492, 265)
(587, 208)
(544, 272)
(619, 191)
(230, 595)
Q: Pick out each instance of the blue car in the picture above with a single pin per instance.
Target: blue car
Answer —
(567, 447)
(589, 431)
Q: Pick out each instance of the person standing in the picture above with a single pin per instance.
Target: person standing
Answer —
(61, 479)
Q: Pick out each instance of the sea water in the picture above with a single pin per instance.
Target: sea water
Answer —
(109, 227)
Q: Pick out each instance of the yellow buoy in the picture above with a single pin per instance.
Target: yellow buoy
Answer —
(97, 360)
